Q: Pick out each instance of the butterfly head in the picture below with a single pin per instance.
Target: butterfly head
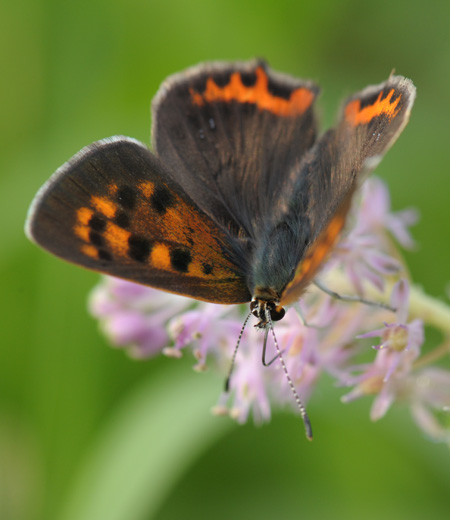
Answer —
(259, 308)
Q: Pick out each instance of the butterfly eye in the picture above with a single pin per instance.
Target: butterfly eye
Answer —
(276, 312)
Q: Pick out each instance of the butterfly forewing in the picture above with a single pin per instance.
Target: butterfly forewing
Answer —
(114, 209)
(230, 133)
(370, 123)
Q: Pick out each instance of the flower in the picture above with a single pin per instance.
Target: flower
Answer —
(375, 214)
(318, 335)
(248, 384)
(365, 253)
(134, 317)
(403, 340)
(208, 328)
(400, 347)
(430, 402)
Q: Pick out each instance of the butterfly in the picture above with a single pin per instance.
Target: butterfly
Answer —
(238, 201)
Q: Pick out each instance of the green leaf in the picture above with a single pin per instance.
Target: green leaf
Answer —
(158, 432)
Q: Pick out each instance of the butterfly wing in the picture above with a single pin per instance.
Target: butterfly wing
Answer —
(231, 133)
(321, 191)
(113, 208)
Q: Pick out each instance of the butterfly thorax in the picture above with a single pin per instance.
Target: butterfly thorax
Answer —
(278, 252)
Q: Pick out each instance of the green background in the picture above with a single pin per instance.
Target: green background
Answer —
(85, 433)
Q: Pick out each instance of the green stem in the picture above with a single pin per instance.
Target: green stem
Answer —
(433, 356)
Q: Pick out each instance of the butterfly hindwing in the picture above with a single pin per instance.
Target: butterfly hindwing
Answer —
(114, 209)
(231, 133)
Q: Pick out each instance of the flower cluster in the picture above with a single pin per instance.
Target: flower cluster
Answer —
(319, 334)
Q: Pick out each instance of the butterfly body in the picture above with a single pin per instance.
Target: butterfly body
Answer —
(239, 200)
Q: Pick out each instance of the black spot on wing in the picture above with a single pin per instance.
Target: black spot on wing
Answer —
(279, 90)
(122, 219)
(104, 255)
(97, 223)
(207, 268)
(138, 248)
(126, 197)
(222, 79)
(370, 100)
(95, 238)
(248, 79)
(180, 259)
(162, 199)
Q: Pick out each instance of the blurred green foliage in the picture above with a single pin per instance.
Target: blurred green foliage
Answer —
(85, 433)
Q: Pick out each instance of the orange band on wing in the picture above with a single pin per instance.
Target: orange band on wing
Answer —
(323, 247)
(104, 206)
(316, 255)
(300, 99)
(84, 216)
(90, 251)
(113, 188)
(82, 232)
(117, 239)
(81, 228)
(355, 115)
(160, 257)
(147, 188)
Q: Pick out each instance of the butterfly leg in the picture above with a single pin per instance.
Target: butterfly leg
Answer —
(304, 321)
(349, 298)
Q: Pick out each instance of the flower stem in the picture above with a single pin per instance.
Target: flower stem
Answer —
(435, 355)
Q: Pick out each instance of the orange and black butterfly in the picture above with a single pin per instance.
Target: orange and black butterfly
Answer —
(238, 201)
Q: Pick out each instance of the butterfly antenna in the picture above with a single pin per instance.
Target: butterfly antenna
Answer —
(233, 359)
(301, 407)
(264, 362)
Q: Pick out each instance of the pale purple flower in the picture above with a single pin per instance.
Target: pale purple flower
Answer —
(364, 253)
(361, 257)
(378, 379)
(298, 343)
(145, 322)
(134, 317)
(372, 382)
(375, 213)
(207, 328)
(430, 402)
(248, 385)
(400, 347)
(403, 340)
